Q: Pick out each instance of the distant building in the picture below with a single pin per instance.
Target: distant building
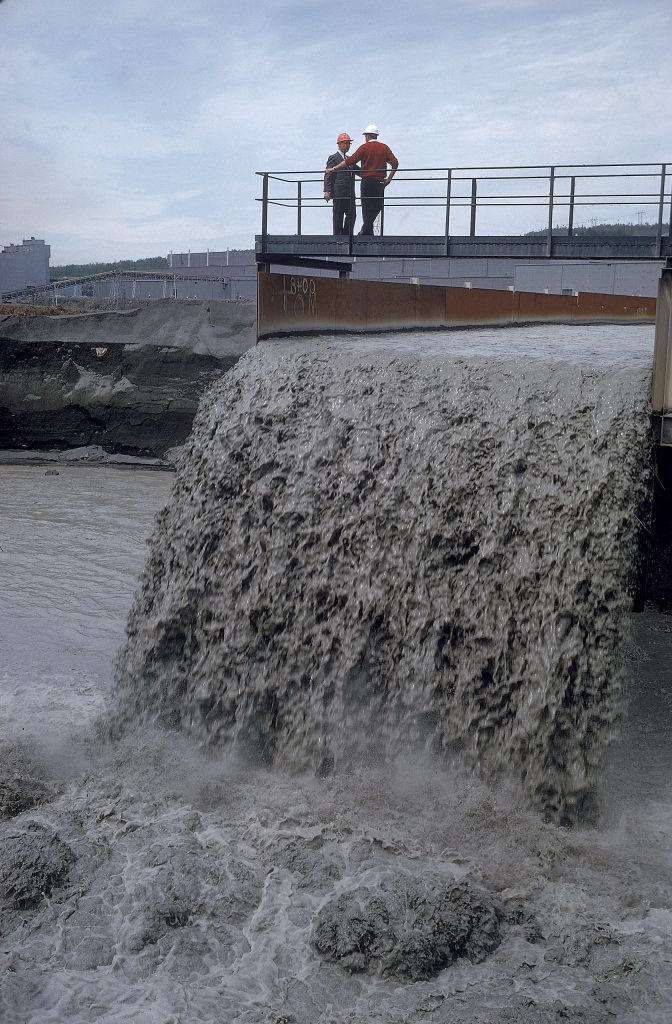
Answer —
(232, 274)
(235, 272)
(24, 266)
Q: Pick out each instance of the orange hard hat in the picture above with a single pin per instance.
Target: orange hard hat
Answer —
(344, 137)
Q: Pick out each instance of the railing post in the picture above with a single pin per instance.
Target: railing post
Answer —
(353, 214)
(570, 222)
(551, 190)
(449, 185)
(661, 208)
(472, 222)
(298, 208)
(264, 212)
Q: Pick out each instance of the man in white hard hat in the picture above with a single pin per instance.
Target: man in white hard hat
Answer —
(374, 158)
(341, 188)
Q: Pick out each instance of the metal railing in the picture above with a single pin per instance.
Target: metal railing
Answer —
(476, 194)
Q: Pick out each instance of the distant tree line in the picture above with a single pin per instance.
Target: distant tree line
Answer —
(84, 269)
(603, 229)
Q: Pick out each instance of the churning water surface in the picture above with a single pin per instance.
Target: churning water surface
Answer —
(360, 721)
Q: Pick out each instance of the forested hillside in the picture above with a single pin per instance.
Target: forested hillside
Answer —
(82, 269)
(603, 229)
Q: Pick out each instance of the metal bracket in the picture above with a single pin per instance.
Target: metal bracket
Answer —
(311, 263)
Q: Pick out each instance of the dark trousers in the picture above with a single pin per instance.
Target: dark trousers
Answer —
(344, 215)
(373, 197)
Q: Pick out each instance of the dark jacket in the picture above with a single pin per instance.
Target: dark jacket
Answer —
(341, 184)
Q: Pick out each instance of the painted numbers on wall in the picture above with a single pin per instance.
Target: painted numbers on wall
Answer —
(299, 296)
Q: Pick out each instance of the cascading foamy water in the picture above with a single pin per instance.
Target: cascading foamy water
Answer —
(151, 880)
(370, 549)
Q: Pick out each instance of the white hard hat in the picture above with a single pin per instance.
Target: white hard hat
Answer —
(371, 129)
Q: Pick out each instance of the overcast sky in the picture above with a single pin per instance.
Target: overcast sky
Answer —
(133, 128)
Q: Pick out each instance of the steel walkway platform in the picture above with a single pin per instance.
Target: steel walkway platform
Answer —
(590, 247)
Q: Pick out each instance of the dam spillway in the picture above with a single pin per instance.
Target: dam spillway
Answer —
(423, 542)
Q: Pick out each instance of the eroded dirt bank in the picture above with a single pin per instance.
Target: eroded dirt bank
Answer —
(127, 381)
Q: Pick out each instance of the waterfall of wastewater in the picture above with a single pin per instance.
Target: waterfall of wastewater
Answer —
(374, 549)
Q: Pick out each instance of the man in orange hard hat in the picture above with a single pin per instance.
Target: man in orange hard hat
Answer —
(340, 187)
(374, 157)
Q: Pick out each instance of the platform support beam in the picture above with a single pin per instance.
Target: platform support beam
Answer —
(661, 384)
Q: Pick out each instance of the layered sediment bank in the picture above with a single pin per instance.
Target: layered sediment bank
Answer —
(128, 382)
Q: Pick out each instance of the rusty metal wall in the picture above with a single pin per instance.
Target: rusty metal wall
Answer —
(302, 304)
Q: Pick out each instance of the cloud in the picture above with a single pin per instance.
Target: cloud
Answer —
(123, 125)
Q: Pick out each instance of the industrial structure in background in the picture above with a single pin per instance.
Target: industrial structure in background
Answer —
(232, 275)
(24, 266)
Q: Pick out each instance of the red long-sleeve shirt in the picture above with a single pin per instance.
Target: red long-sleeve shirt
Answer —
(374, 157)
